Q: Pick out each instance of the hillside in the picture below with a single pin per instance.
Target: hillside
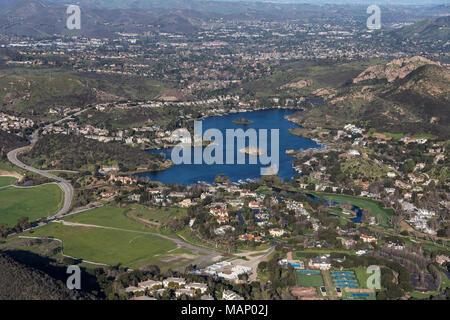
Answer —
(429, 29)
(31, 18)
(75, 152)
(18, 282)
(33, 92)
(106, 17)
(9, 142)
(402, 96)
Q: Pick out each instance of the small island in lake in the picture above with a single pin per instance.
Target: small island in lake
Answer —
(253, 151)
(242, 121)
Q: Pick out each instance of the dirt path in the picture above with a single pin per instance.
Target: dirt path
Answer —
(254, 261)
(329, 285)
(144, 221)
(13, 174)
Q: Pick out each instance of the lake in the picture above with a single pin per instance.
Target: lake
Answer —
(264, 119)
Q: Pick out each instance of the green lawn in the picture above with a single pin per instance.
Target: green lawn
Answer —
(7, 181)
(6, 166)
(374, 207)
(34, 203)
(107, 216)
(108, 246)
(304, 280)
(362, 276)
(157, 215)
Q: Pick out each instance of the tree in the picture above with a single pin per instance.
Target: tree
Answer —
(4, 229)
(22, 224)
(262, 266)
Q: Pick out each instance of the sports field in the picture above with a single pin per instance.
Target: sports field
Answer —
(362, 275)
(34, 203)
(305, 280)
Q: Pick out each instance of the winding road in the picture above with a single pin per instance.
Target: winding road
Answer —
(205, 255)
(65, 185)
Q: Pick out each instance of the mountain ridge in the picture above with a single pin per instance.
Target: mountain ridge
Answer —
(412, 98)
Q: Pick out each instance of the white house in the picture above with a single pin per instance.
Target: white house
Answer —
(177, 281)
(203, 287)
(230, 295)
(276, 232)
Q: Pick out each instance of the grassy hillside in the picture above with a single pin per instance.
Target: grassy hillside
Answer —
(406, 97)
(33, 18)
(109, 246)
(429, 29)
(32, 92)
(325, 74)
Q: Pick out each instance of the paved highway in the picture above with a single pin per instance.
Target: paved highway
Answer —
(65, 185)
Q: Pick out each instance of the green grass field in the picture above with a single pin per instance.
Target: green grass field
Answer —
(362, 276)
(6, 166)
(34, 203)
(304, 280)
(108, 246)
(7, 181)
(107, 216)
(157, 215)
(374, 207)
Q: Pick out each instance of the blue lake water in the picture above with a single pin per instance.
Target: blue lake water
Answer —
(265, 119)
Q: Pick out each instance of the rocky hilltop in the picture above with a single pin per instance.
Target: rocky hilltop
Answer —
(402, 96)
(396, 69)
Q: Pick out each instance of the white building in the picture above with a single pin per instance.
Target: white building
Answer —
(276, 232)
(177, 281)
(230, 295)
(203, 287)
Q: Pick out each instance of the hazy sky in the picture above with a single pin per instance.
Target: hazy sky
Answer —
(394, 2)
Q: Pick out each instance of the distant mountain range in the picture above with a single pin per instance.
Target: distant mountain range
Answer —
(432, 29)
(47, 17)
(196, 4)
(30, 18)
